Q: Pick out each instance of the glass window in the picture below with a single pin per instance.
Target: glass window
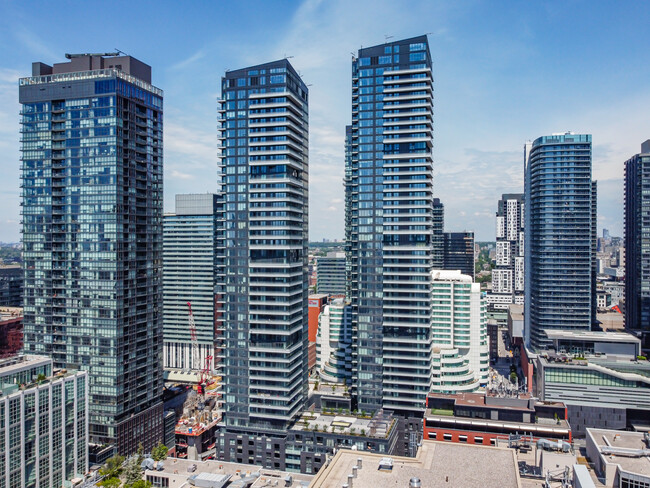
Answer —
(417, 57)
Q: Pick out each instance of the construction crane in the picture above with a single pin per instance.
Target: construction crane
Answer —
(196, 364)
(202, 374)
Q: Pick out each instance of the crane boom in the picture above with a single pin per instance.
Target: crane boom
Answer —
(196, 363)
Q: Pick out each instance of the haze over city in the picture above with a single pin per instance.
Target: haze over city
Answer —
(502, 76)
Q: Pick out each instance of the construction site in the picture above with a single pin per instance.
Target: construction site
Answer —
(195, 431)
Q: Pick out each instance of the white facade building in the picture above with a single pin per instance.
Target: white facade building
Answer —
(43, 423)
(334, 342)
(508, 276)
(460, 348)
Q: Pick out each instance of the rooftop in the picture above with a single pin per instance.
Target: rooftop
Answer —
(516, 311)
(21, 362)
(595, 336)
(10, 313)
(437, 464)
(176, 471)
(318, 296)
(450, 275)
(378, 426)
(627, 449)
(479, 400)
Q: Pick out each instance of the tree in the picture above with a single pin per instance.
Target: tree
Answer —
(110, 482)
(142, 484)
(113, 467)
(159, 453)
(513, 377)
(132, 472)
(140, 453)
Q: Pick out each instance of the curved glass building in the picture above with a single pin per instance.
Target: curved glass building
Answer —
(334, 346)
(560, 236)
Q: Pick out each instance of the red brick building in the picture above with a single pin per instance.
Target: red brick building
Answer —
(476, 418)
(316, 305)
(11, 331)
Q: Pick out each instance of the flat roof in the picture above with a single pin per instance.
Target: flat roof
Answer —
(587, 335)
(436, 464)
(10, 313)
(516, 311)
(19, 363)
(624, 440)
(540, 428)
(175, 470)
(480, 400)
(375, 427)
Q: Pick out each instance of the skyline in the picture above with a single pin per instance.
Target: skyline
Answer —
(501, 78)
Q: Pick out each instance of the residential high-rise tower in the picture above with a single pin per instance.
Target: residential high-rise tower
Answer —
(508, 275)
(560, 236)
(92, 176)
(438, 234)
(637, 240)
(389, 193)
(264, 180)
(190, 248)
(330, 274)
(459, 252)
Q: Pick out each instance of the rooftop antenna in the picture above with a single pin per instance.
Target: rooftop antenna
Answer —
(287, 57)
(386, 37)
(82, 55)
(120, 52)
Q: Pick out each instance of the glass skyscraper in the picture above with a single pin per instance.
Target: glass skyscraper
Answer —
(389, 210)
(190, 248)
(330, 274)
(560, 236)
(92, 176)
(459, 252)
(438, 234)
(637, 240)
(264, 180)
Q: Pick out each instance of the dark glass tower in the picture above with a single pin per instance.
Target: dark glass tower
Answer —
(459, 252)
(560, 236)
(389, 193)
(264, 180)
(438, 234)
(637, 240)
(92, 175)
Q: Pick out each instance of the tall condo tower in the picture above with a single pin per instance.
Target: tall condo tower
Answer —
(560, 236)
(438, 234)
(190, 248)
(264, 179)
(389, 192)
(92, 176)
(637, 240)
(459, 252)
(508, 276)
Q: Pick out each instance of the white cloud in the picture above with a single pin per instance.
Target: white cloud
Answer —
(200, 54)
(181, 176)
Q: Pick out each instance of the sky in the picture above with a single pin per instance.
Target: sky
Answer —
(504, 73)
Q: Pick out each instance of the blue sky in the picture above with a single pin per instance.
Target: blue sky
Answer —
(505, 73)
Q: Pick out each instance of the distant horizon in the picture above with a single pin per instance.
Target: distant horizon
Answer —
(502, 77)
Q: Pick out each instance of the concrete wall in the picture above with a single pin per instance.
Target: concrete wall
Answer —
(582, 417)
